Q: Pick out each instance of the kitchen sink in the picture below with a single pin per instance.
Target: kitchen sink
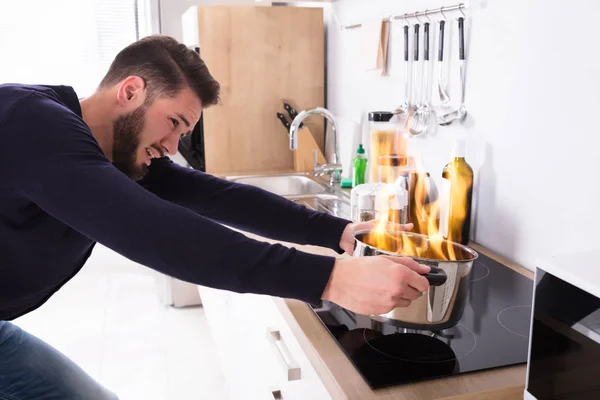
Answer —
(327, 203)
(303, 189)
(284, 185)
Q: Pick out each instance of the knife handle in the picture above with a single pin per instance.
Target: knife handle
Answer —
(283, 121)
(292, 112)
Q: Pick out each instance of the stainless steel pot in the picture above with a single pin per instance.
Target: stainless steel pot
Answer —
(442, 305)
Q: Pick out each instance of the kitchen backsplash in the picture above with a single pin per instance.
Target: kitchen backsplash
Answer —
(532, 84)
(531, 108)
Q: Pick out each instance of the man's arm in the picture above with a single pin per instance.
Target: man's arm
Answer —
(242, 206)
(48, 155)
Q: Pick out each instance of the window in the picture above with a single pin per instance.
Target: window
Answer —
(67, 42)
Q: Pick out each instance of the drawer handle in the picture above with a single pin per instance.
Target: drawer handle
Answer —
(293, 369)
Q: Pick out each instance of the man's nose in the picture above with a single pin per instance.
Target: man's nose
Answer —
(170, 143)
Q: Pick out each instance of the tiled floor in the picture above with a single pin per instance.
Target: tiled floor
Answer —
(110, 321)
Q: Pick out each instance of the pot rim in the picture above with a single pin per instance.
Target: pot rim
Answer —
(464, 248)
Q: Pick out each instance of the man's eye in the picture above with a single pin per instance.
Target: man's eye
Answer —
(175, 122)
(185, 135)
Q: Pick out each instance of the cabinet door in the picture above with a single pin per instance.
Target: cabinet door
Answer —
(246, 362)
(260, 356)
(288, 373)
(260, 56)
(229, 332)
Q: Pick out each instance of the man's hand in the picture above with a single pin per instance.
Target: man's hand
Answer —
(375, 285)
(347, 240)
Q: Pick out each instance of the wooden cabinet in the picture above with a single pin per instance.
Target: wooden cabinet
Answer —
(261, 358)
(261, 56)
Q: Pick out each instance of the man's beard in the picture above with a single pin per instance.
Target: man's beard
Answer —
(126, 140)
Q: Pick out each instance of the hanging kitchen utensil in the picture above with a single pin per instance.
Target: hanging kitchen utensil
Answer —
(444, 98)
(461, 112)
(451, 266)
(424, 111)
(404, 107)
(413, 120)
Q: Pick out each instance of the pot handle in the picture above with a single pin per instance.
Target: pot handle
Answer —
(436, 277)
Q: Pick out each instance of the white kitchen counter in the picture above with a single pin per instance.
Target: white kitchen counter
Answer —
(581, 270)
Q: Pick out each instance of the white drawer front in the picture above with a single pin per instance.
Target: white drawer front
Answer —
(261, 358)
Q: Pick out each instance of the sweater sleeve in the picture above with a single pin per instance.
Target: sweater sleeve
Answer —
(242, 206)
(48, 154)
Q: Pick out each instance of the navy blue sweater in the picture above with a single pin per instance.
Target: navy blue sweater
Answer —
(59, 195)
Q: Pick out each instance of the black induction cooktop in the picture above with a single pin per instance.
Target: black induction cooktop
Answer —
(492, 332)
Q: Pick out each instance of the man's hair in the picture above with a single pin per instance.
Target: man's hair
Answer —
(166, 66)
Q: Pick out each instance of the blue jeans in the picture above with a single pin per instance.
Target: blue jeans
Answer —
(30, 369)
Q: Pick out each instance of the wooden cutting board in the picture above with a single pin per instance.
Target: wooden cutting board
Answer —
(260, 56)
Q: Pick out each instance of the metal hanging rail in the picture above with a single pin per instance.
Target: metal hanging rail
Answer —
(458, 7)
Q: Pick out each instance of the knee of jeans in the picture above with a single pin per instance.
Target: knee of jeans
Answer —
(105, 395)
(112, 396)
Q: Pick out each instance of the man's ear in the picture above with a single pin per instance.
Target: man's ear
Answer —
(131, 92)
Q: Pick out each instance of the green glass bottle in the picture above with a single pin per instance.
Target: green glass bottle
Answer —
(457, 192)
(359, 167)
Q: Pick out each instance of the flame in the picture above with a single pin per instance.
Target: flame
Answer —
(424, 213)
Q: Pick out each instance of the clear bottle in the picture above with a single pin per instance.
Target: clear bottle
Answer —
(359, 167)
(399, 202)
(456, 196)
(382, 202)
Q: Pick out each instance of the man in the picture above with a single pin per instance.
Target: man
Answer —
(73, 173)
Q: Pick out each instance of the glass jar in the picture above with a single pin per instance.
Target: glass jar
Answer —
(390, 167)
(384, 138)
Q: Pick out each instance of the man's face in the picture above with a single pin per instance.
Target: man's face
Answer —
(153, 130)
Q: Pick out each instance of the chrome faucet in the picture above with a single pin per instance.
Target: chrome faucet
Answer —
(334, 169)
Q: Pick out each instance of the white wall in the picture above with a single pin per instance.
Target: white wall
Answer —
(532, 95)
(532, 99)
(172, 10)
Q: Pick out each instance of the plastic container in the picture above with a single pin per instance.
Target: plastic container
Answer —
(359, 167)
